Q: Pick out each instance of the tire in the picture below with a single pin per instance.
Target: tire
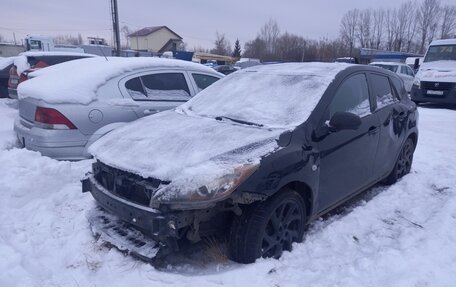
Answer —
(267, 228)
(403, 163)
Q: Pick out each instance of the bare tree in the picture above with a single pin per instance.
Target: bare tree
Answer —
(222, 45)
(427, 21)
(448, 25)
(377, 28)
(391, 28)
(348, 28)
(269, 33)
(363, 28)
(125, 30)
(255, 49)
(291, 48)
(67, 40)
(411, 23)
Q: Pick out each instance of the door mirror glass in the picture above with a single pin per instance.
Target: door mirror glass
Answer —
(344, 121)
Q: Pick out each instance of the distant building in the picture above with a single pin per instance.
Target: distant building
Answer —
(155, 39)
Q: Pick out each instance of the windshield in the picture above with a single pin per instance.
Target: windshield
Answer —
(388, 67)
(441, 53)
(261, 98)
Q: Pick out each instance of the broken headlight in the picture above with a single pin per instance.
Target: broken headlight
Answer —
(183, 195)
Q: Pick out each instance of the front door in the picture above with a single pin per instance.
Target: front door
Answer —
(347, 156)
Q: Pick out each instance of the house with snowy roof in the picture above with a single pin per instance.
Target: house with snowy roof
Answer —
(155, 39)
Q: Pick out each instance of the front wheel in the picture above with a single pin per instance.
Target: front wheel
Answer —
(266, 229)
(403, 163)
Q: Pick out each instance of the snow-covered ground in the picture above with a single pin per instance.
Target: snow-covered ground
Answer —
(402, 235)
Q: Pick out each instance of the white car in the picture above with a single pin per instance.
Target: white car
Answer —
(403, 70)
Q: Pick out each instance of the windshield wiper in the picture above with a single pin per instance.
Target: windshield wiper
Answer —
(219, 118)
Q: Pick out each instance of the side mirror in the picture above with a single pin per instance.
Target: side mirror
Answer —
(416, 65)
(344, 121)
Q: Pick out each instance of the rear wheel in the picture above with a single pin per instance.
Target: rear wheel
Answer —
(266, 229)
(403, 163)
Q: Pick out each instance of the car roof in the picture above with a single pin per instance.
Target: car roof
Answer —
(443, 42)
(387, 63)
(53, 53)
(311, 68)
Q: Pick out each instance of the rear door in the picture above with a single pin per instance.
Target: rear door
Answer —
(347, 156)
(156, 91)
(392, 114)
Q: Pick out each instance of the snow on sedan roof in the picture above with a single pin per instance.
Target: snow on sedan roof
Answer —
(276, 95)
(387, 63)
(54, 53)
(77, 81)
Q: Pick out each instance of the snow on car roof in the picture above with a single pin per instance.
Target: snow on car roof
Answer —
(54, 53)
(443, 42)
(386, 63)
(77, 81)
(277, 95)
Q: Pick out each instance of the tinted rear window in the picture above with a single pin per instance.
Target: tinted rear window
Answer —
(382, 91)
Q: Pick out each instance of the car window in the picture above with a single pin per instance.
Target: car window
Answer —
(382, 91)
(204, 81)
(410, 71)
(398, 85)
(135, 89)
(404, 70)
(352, 96)
(166, 87)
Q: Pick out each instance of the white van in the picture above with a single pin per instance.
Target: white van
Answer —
(436, 78)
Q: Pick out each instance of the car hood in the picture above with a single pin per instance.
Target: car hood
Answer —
(438, 71)
(193, 150)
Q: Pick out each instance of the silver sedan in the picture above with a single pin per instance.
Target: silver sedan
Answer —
(64, 127)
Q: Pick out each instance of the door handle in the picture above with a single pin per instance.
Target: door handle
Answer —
(150, 112)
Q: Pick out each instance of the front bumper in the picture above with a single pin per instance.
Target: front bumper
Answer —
(57, 144)
(423, 95)
(159, 225)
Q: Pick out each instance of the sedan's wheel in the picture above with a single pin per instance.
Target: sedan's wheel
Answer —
(403, 163)
(266, 229)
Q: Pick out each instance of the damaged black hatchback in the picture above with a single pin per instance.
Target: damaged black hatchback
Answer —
(257, 156)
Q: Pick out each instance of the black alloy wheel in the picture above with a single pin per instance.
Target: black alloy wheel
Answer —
(403, 163)
(268, 228)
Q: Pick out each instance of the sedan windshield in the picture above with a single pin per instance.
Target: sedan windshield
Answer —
(441, 53)
(261, 98)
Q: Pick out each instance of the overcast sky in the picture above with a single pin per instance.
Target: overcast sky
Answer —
(196, 21)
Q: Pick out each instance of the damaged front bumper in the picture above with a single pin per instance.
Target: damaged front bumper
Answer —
(161, 226)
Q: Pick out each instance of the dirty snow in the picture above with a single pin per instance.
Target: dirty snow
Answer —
(77, 81)
(402, 235)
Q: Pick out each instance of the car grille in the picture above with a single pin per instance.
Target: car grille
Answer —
(126, 185)
(437, 86)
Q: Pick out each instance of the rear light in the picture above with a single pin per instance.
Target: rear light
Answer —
(48, 118)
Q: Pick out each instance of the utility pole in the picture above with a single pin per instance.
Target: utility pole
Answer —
(115, 26)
